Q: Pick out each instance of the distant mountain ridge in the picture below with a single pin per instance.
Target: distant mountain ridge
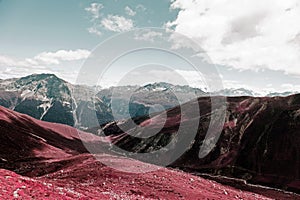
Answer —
(237, 92)
(49, 98)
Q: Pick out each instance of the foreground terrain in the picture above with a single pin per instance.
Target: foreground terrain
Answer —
(86, 178)
(43, 160)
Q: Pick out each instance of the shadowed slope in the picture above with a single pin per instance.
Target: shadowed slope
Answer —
(259, 142)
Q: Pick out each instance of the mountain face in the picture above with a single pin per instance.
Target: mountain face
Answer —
(41, 160)
(259, 142)
(145, 100)
(89, 111)
(48, 98)
(43, 96)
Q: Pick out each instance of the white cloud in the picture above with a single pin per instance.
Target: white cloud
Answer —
(117, 23)
(290, 87)
(147, 35)
(193, 78)
(94, 30)
(61, 55)
(110, 22)
(6, 61)
(129, 11)
(233, 84)
(45, 62)
(45, 58)
(94, 10)
(16, 72)
(249, 34)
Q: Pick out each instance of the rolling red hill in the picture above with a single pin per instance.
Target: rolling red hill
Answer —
(40, 160)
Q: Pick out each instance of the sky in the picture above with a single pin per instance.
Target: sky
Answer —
(254, 44)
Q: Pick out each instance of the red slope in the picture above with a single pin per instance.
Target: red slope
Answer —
(23, 137)
(33, 148)
(85, 178)
(259, 141)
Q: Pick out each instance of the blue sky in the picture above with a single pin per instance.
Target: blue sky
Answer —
(254, 44)
(33, 26)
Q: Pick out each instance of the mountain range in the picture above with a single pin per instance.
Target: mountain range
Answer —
(49, 98)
